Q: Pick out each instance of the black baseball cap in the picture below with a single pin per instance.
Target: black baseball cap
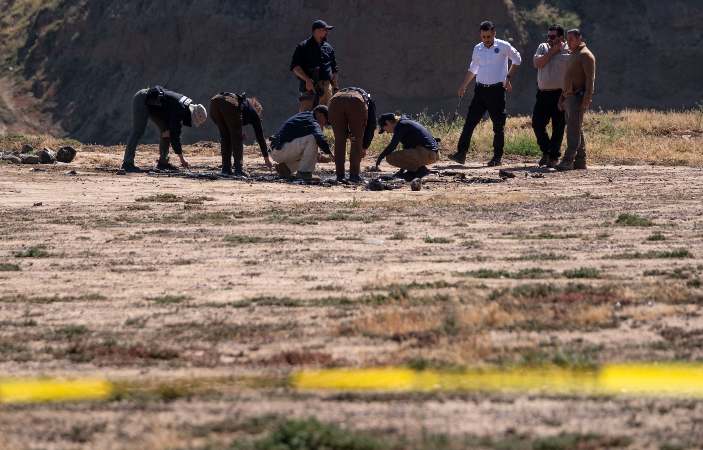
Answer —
(383, 119)
(318, 24)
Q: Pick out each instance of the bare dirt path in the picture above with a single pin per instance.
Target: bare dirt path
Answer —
(141, 278)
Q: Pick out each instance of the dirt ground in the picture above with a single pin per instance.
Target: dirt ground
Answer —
(200, 297)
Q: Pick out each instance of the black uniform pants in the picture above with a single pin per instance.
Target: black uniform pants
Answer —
(491, 99)
(546, 110)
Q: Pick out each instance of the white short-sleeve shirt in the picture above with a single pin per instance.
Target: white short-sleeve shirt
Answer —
(490, 65)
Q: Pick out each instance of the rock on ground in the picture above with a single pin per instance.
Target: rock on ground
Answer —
(30, 159)
(66, 154)
(46, 156)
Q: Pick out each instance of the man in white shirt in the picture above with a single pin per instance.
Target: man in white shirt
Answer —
(489, 65)
(550, 60)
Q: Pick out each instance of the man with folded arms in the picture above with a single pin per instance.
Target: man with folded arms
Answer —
(550, 60)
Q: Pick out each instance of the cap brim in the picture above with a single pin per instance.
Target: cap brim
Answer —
(329, 27)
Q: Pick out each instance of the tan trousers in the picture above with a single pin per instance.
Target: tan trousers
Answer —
(299, 155)
(575, 141)
(348, 114)
(413, 158)
(307, 103)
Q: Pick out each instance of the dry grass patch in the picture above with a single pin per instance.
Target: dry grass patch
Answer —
(625, 137)
(400, 323)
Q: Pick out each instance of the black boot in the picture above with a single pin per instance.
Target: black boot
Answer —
(495, 162)
(399, 174)
(167, 167)
(356, 179)
(422, 172)
(409, 175)
(240, 172)
(131, 168)
(458, 158)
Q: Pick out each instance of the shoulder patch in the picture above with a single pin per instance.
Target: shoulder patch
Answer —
(497, 50)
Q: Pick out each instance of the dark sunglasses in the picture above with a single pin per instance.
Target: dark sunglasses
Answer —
(551, 37)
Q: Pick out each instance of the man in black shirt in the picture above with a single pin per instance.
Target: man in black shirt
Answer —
(315, 65)
(294, 146)
(419, 146)
(169, 111)
(231, 112)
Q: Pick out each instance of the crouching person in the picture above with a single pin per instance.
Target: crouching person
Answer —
(231, 112)
(419, 146)
(169, 111)
(353, 114)
(295, 146)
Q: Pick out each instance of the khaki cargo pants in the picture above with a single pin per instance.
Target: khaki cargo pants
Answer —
(299, 155)
(413, 158)
(306, 102)
(348, 115)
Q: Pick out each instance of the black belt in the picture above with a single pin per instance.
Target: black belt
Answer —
(549, 90)
(481, 85)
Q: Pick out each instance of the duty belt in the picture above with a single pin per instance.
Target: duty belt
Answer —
(488, 85)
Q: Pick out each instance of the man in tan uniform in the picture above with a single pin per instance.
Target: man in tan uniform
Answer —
(352, 114)
(576, 99)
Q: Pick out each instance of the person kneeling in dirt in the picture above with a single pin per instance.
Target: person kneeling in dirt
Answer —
(352, 113)
(295, 146)
(169, 111)
(231, 112)
(419, 147)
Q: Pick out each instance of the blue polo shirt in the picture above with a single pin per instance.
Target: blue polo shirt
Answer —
(300, 125)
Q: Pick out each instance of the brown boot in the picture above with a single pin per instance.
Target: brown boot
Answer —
(565, 165)
(283, 171)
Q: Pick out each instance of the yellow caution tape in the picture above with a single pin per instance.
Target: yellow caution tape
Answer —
(635, 379)
(43, 391)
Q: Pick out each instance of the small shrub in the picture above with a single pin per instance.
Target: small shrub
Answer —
(6, 267)
(656, 237)
(311, 434)
(680, 253)
(399, 236)
(437, 240)
(38, 251)
(160, 198)
(169, 299)
(235, 239)
(633, 220)
(583, 272)
(523, 145)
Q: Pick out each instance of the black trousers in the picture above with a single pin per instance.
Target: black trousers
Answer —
(546, 110)
(491, 99)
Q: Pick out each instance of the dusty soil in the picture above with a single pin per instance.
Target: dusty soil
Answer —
(189, 291)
